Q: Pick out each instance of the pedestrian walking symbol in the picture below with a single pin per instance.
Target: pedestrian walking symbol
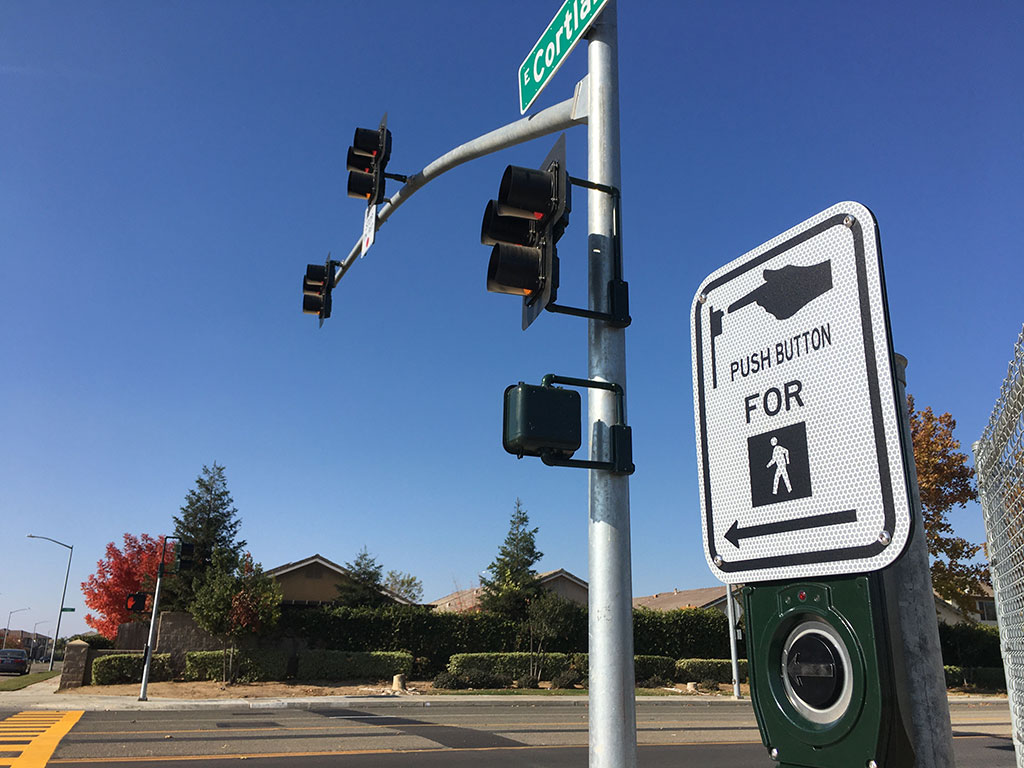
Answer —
(780, 458)
(779, 465)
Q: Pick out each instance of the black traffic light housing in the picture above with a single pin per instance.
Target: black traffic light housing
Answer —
(317, 285)
(135, 602)
(523, 225)
(367, 158)
(184, 558)
(544, 421)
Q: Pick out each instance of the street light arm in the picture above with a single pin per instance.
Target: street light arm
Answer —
(33, 536)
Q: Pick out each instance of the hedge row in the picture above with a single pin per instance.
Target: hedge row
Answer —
(127, 668)
(353, 665)
(987, 678)
(509, 665)
(970, 645)
(433, 637)
(251, 665)
(514, 666)
(699, 670)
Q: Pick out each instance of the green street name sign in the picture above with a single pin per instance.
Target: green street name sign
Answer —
(565, 30)
(67, 610)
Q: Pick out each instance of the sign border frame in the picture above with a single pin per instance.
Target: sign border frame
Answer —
(878, 425)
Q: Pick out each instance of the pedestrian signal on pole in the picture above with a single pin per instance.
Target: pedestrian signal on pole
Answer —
(523, 225)
(367, 158)
(316, 289)
(135, 602)
(185, 557)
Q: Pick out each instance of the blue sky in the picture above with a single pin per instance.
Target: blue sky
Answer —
(167, 170)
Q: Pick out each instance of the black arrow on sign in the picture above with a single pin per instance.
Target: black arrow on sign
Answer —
(735, 533)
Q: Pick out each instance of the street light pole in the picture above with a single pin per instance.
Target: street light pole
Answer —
(8, 626)
(35, 637)
(56, 632)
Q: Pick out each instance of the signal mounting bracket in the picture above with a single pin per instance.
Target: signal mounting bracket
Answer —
(618, 289)
(620, 434)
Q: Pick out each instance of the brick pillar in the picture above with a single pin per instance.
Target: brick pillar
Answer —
(76, 656)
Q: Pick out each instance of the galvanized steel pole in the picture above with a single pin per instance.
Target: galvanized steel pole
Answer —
(730, 612)
(908, 584)
(148, 657)
(612, 688)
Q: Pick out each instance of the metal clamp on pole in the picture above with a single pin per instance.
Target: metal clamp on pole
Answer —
(544, 421)
(618, 289)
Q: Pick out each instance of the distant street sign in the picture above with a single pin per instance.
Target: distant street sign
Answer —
(798, 446)
(565, 30)
(67, 610)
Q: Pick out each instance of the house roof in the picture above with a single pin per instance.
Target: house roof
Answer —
(681, 598)
(319, 559)
(469, 599)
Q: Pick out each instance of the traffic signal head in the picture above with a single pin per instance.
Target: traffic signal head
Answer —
(523, 225)
(135, 602)
(316, 289)
(367, 158)
(185, 557)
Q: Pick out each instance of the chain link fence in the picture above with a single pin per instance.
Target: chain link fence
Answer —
(999, 461)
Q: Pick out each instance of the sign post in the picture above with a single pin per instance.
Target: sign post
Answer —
(804, 487)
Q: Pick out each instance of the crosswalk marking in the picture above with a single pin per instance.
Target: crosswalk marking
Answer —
(33, 736)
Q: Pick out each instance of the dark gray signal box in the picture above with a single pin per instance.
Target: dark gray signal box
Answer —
(541, 421)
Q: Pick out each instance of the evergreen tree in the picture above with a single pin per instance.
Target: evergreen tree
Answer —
(364, 584)
(513, 581)
(210, 521)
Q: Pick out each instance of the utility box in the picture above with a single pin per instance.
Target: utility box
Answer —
(822, 673)
(541, 421)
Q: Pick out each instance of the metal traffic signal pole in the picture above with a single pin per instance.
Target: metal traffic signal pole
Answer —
(612, 688)
(152, 621)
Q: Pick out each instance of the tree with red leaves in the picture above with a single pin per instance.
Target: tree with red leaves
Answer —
(121, 571)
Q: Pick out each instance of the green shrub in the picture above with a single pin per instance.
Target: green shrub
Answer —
(204, 665)
(691, 633)
(646, 667)
(353, 665)
(447, 681)
(566, 680)
(970, 645)
(710, 685)
(988, 678)
(954, 676)
(654, 681)
(510, 665)
(693, 670)
(250, 665)
(127, 668)
(435, 636)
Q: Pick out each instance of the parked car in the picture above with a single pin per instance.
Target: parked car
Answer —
(14, 660)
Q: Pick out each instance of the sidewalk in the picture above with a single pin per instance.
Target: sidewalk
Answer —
(44, 695)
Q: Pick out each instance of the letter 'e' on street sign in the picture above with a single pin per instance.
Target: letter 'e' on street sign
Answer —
(554, 46)
(799, 456)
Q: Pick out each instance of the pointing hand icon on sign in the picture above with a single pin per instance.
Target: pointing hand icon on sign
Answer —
(787, 290)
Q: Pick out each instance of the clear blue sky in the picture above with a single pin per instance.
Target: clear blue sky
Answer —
(167, 170)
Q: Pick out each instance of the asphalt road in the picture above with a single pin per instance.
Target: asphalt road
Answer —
(456, 734)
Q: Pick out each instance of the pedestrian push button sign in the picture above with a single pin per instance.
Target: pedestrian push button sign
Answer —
(798, 447)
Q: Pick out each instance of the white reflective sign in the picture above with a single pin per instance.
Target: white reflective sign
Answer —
(798, 448)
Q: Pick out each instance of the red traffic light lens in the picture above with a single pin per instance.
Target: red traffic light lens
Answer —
(529, 189)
